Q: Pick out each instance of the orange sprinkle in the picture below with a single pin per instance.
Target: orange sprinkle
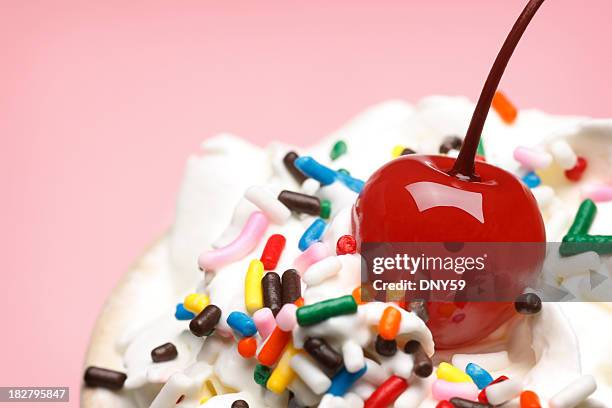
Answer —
(299, 302)
(247, 347)
(389, 323)
(504, 107)
(273, 347)
(357, 295)
(530, 399)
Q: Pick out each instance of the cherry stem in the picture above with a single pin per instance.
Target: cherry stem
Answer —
(464, 165)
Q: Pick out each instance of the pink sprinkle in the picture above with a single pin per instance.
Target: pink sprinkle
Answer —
(286, 319)
(248, 239)
(532, 158)
(598, 193)
(264, 321)
(314, 253)
(445, 390)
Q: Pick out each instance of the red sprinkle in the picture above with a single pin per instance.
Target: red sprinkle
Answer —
(272, 251)
(445, 404)
(247, 347)
(387, 392)
(575, 173)
(346, 245)
(482, 396)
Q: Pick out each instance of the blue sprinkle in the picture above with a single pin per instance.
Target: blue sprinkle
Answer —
(343, 381)
(532, 180)
(242, 323)
(314, 169)
(312, 234)
(352, 183)
(182, 313)
(479, 375)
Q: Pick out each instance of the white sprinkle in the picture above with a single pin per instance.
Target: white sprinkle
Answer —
(543, 195)
(263, 198)
(503, 391)
(310, 186)
(322, 270)
(563, 154)
(310, 373)
(375, 373)
(402, 364)
(352, 354)
(176, 386)
(574, 393)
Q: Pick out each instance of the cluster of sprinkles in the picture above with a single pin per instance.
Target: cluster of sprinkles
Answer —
(274, 305)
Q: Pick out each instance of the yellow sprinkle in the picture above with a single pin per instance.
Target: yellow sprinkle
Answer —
(397, 151)
(448, 372)
(253, 294)
(207, 391)
(196, 302)
(283, 374)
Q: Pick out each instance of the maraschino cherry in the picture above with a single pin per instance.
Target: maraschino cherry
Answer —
(418, 198)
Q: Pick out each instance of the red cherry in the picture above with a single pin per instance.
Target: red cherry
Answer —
(457, 201)
(575, 173)
(508, 211)
(444, 404)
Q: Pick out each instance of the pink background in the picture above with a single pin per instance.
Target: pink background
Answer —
(101, 103)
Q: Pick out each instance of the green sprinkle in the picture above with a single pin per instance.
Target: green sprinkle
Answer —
(344, 171)
(338, 150)
(318, 312)
(480, 151)
(261, 374)
(576, 244)
(325, 209)
(584, 218)
(577, 240)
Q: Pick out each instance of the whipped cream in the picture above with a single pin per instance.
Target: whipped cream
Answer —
(542, 351)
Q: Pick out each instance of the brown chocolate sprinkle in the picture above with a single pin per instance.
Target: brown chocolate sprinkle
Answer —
(463, 403)
(323, 353)
(407, 151)
(450, 143)
(423, 367)
(272, 292)
(205, 322)
(288, 161)
(104, 378)
(292, 286)
(528, 303)
(165, 352)
(300, 203)
(384, 347)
